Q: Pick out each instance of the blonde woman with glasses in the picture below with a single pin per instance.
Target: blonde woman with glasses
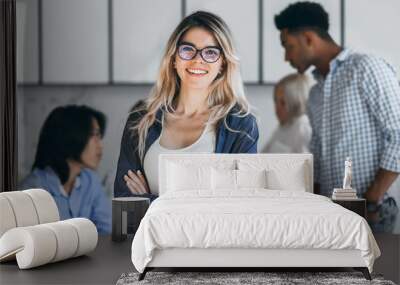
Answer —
(196, 105)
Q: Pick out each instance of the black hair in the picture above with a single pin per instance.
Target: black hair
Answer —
(64, 135)
(302, 16)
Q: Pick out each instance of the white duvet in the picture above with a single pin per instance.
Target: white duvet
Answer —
(252, 218)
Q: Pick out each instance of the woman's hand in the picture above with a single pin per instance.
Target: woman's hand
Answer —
(136, 182)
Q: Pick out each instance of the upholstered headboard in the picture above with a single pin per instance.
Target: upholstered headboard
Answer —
(284, 167)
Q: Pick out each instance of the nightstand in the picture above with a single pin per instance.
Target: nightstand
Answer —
(358, 205)
(127, 212)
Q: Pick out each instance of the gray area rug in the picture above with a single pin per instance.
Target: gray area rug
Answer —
(229, 278)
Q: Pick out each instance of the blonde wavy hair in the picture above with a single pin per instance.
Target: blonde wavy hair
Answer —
(226, 91)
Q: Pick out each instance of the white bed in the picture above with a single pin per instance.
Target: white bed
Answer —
(247, 210)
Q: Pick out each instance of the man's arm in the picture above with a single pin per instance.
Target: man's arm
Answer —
(381, 91)
(383, 180)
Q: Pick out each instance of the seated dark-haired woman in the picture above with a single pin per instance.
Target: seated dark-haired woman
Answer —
(70, 148)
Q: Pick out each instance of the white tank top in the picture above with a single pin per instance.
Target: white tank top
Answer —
(204, 144)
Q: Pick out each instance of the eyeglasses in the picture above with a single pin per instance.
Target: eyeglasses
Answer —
(209, 54)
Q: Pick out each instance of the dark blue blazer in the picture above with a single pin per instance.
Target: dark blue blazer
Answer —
(243, 141)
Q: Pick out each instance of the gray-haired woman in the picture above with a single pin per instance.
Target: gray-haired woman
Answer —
(294, 131)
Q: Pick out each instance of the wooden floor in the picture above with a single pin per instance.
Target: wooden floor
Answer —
(389, 262)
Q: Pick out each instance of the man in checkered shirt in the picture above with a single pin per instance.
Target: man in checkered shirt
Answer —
(354, 110)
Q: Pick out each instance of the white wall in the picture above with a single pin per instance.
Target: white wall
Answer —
(115, 101)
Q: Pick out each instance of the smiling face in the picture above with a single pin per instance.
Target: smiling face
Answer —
(298, 51)
(93, 150)
(196, 73)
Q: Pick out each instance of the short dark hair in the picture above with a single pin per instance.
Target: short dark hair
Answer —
(302, 16)
(64, 135)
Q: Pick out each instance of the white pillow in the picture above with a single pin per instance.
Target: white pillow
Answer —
(280, 174)
(251, 178)
(281, 180)
(223, 179)
(185, 177)
(236, 179)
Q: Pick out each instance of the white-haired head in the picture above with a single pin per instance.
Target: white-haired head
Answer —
(291, 94)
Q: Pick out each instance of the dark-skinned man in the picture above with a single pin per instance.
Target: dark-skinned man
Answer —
(354, 110)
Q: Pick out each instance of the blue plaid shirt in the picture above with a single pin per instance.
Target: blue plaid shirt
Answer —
(354, 111)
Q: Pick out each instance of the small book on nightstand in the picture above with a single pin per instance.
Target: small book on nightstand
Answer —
(344, 194)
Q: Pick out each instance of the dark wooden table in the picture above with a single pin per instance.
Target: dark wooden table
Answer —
(102, 266)
(356, 205)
